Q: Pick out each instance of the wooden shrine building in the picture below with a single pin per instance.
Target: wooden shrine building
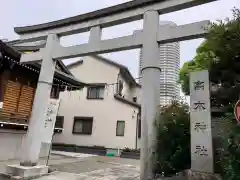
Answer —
(18, 83)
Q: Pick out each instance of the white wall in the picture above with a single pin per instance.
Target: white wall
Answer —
(105, 112)
(105, 115)
(11, 141)
(10, 144)
(93, 71)
(136, 92)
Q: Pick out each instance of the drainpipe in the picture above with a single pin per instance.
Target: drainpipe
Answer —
(137, 126)
(118, 76)
(136, 138)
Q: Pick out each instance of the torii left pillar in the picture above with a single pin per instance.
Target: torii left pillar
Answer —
(31, 147)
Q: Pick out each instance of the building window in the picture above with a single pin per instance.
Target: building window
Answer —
(82, 125)
(59, 122)
(120, 128)
(95, 92)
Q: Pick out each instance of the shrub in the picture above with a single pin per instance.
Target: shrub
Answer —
(173, 139)
(230, 154)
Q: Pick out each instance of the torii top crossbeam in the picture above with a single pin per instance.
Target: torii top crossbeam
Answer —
(106, 17)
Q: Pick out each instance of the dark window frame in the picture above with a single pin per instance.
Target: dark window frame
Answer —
(97, 95)
(61, 122)
(81, 118)
(121, 135)
(55, 92)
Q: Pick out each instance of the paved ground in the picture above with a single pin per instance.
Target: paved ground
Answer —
(121, 172)
(100, 168)
(82, 167)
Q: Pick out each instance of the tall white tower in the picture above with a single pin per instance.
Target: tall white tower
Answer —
(169, 60)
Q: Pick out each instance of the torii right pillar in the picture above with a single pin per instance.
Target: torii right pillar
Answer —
(150, 91)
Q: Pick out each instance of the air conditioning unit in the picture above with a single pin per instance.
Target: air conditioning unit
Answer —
(135, 99)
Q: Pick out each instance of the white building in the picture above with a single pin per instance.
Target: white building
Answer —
(106, 112)
(169, 59)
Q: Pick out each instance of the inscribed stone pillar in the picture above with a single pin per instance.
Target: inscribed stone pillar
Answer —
(201, 131)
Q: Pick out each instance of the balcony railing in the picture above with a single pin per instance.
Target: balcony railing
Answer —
(127, 100)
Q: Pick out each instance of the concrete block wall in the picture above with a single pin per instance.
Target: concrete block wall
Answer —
(10, 145)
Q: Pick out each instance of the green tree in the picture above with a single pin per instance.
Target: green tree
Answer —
(220, 54)
(203, 60)
(173, 139)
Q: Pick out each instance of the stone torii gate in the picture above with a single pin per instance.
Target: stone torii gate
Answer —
(147, 39)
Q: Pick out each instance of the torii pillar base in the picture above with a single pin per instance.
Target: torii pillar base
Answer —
(24, 172)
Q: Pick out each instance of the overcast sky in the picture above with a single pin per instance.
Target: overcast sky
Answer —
(27, 12)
